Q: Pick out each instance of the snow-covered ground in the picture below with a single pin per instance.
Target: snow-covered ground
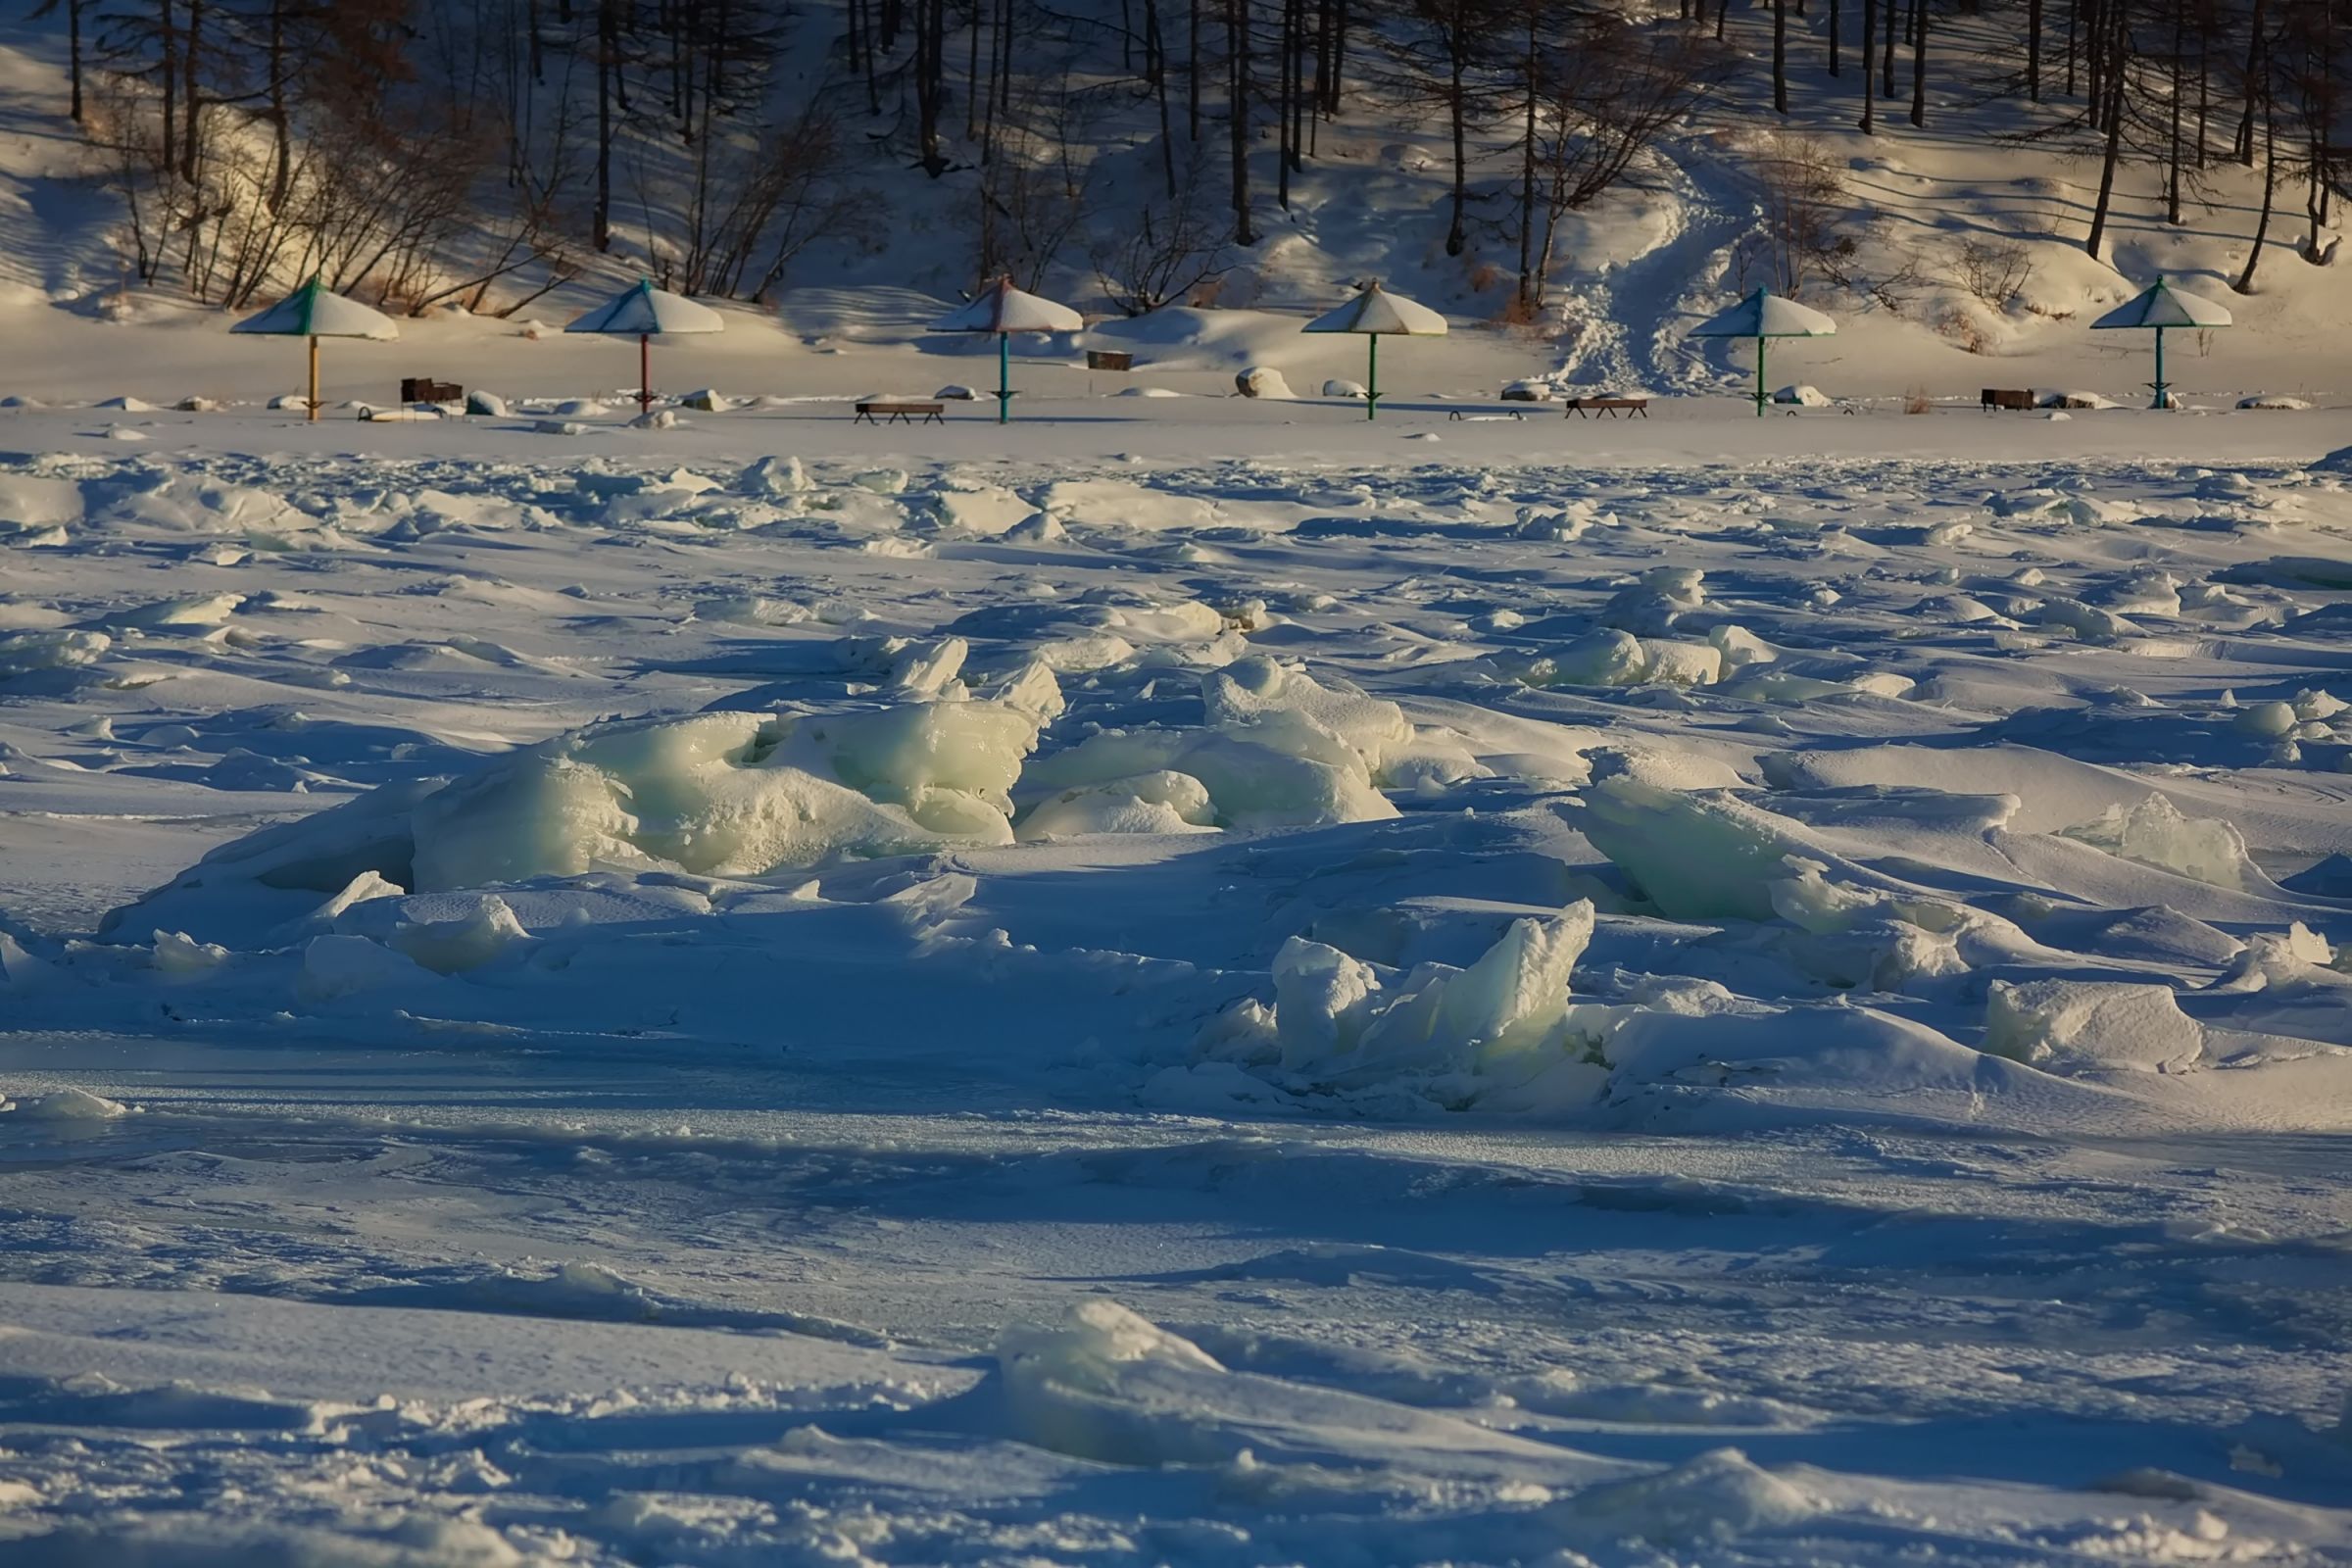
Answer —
(1215, 985)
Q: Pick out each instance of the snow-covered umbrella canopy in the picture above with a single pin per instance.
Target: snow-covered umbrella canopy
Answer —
(2155, 307)
(1374, 314)
(643, 311)
(1001, 309)
(314, 311)
(1762, 315)
(2159, 306)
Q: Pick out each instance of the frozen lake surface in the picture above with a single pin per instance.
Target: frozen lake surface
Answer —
(1229, 987)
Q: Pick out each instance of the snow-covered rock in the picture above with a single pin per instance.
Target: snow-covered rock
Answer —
(1261, 381)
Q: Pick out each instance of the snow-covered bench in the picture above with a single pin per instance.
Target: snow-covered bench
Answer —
(880, 413)
(1612, 407)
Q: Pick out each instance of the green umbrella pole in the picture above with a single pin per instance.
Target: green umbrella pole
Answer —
(1372, 379)
(2160, 398)
(1760, 342)
(1003, 377)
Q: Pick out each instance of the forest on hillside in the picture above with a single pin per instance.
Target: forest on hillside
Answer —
(482, 152)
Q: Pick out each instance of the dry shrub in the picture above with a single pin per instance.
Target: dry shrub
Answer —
(1916, 401)
(1517, 310)
(1484, 277)
(1993, 267)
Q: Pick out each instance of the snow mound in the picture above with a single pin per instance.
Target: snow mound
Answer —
(1802, 396)
(1338, 389)
(1262, 381)
(2084, 1025)
(1712, 1498)
(728, 793)
(23, 653)
(1495, 1033)
(64, 1105)
(2275, 402)
(2155, 833)
(1278, 749)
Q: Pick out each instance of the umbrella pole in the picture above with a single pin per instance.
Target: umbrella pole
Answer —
(645, 373)
(1003, 377)
(314, 403)
(2161, 401)
(1761, 340)
(1372, 379)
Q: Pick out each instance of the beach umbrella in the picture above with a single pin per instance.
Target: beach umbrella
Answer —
(1763, 316)
(643, 311)
(2156, 308)
(314, 313)
(1376, 314)
(1003, 310)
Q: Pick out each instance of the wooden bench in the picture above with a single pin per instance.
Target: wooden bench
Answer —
(2001, 397)
(1484, 414)
(1612, 407)
(902, 413)
(424, 389)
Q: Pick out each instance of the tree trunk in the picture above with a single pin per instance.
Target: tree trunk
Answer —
(73, 55)
(1457, 236)
(282, 162)
(2270, 189)
(971, 68)
(607, 66)
(1869, 93)
(2033, 50)
(190, 142)
(2172, 174)
(1282, 107)
(1836, 24)
(2114, 146)
(2255, 54)
(1237, 116)
(1526, 169)
(1157, 53)
(1919, 63)
(1192, 80)
(1887, 56)
(169, 41)
(1780, 56)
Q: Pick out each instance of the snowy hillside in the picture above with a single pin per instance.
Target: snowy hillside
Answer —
(1953, 255)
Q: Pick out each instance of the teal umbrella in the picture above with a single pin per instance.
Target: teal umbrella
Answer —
(313, 311)
(1763, 316)
(1003, 310)
(1375, 313)
(2158, 307)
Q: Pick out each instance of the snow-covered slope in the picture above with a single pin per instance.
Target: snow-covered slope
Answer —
(1634, 271)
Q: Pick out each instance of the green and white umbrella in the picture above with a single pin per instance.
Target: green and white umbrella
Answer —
(2158, 307)
(313, 311)
(1003, 310)
(1375, 313)
(1762, 315)
(643, 313)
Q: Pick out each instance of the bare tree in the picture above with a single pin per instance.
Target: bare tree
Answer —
(1172, 249)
